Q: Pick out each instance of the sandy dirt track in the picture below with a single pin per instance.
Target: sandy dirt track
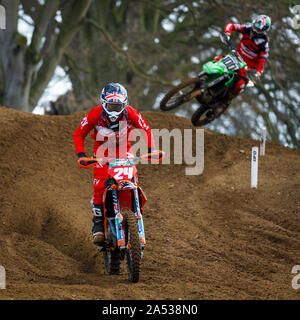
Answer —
(209, 236)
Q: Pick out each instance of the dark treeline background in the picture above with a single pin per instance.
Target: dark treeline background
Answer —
(148, 45)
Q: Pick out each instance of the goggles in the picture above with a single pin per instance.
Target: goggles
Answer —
(114, 107)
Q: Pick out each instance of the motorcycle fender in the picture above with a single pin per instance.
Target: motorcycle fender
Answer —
(213, 68)
(125, 200)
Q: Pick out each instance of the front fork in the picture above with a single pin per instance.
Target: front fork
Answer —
(119, 223)
(199, 87)
(119, 220)
(139, 217)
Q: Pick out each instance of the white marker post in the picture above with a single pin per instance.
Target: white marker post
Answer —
(254, 167)
(2, 278)
(263, 142)
(2, 18)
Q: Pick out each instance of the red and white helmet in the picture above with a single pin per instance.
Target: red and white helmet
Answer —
(114, 100)
(261, 24)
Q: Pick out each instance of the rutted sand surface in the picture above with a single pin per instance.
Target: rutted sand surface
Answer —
(209, 236)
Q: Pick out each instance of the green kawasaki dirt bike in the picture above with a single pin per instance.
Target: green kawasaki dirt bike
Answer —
(210, 88)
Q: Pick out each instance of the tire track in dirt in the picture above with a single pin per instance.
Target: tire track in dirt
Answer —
(208, 236)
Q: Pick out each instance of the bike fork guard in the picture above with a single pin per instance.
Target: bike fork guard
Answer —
(139, 217)
(118, 221)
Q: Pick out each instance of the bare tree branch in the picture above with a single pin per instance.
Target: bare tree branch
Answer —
(71, 63)
(127, 54)
(46, 13)
(31, 8)
(68, 30)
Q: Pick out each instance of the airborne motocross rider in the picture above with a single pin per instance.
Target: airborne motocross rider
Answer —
(105, 120)
(253, 48)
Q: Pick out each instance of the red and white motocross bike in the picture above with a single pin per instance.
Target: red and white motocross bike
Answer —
(124, 202)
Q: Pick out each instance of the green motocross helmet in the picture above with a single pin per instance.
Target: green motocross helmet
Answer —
(261, 24)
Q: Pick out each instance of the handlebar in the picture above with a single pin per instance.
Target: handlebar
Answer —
(225, 40)
(229, 44)
(156, 156)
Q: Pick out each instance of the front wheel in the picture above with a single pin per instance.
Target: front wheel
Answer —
(181, 93)
(133, 247)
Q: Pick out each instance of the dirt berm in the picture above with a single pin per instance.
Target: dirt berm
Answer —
(208, 236)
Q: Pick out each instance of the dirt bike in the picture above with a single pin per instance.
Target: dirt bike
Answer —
(124, 203)
(210, 88)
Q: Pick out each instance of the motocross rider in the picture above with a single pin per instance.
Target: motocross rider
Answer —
(253, 48)
(105, 120)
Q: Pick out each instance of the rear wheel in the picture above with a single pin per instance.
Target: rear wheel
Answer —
(206, 114)
(180, 94)
(133, 247)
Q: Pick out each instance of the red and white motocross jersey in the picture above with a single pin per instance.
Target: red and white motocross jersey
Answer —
(95, 120)
(254, 48)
